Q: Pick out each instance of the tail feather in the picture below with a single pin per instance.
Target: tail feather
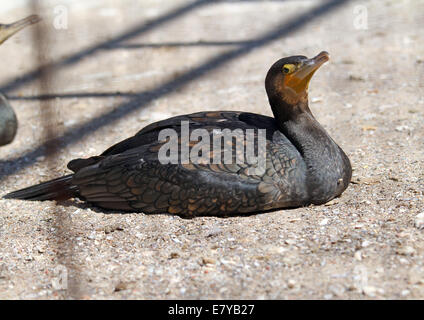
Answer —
(56, 189)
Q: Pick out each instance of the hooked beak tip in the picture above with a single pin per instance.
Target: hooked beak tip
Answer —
(322, 57)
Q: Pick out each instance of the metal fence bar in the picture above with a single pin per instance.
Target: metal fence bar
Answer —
(62, 242)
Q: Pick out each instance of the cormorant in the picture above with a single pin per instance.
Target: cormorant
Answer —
(303, 165)
(8, 120)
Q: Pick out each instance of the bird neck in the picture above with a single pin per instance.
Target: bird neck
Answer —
(284, 111)
(304, 131)
(328, 168)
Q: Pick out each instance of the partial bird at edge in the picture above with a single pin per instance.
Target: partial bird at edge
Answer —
(8, 119)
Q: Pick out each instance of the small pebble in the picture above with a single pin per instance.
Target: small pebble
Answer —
(419, 221)
(358, 255)
(121, 286)
(372, 291)
(365, 243)
(337, 290)
(174, 255)
(206, 261)
(323, 222)
(214, 232)
(291, 284)
(406, 251)
(405, 293)
(402, 128)
(369, 291)
(111, 228)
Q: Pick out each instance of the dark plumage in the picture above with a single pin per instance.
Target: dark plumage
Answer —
(303, 164)
(8, 121)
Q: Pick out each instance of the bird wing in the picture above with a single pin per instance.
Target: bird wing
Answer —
(149, 134)
(129, 175)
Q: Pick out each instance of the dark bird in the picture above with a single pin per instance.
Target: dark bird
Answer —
(8, 120)
(303, 165)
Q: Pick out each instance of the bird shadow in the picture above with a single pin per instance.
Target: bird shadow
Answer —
(75, 203)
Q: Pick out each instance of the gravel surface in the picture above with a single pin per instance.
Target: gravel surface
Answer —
(367, 244)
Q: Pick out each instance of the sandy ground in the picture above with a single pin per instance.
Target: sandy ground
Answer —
(367, 244)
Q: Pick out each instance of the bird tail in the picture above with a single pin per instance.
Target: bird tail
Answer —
(56, 189)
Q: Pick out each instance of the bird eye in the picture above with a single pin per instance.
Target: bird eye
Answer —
(289, 68)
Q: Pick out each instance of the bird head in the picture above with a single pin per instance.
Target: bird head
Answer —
(8, 30)
(288, 78)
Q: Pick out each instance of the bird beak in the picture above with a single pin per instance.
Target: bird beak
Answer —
(299, 80)
(8, 30)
